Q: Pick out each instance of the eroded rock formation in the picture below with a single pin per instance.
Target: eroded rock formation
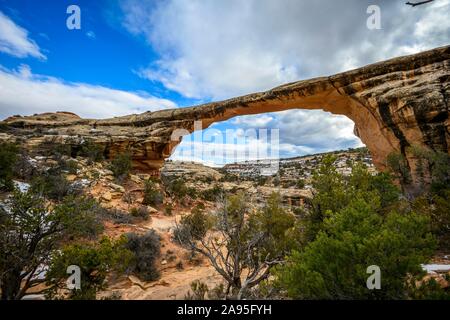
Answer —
(395, 104)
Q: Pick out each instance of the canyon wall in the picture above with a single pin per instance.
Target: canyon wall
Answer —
(395, 104)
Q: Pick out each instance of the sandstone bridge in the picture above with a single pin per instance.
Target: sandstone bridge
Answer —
(395, 104)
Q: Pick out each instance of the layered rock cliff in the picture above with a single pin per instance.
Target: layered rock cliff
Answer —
(395, 104)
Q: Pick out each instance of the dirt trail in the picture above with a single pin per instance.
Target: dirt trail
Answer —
(173, 284)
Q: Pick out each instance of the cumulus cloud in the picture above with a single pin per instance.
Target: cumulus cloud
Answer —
(218, 49)
(23, 92)
(275, 135)
(310, 130)
(14, 40)
(218, 149)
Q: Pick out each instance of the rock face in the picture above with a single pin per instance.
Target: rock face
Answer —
(395, 104)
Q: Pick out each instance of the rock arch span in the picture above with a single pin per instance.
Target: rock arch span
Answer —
(394, 104)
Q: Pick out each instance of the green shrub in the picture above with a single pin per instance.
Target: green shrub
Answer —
(59, 151)
(333, 192)
(121, 165)
(140, 212)
(300, 184)
(23, 168)
(117, 216)
(32, 231)
(192, 227)
(261, 180)
(52, 184)
(168, 210)
(334, 265)
(176, 188)
(276, 223)
(146, 249)
(437, 208)
(8, 157)
(152, 195)
(95, 262)
(211, 194)
(199, 291)
(4, 127)
(80, 208)
(92, 151)
(399, 167)
(71, 166)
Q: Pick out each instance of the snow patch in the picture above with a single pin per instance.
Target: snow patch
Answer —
(434, 268)
(22, 186)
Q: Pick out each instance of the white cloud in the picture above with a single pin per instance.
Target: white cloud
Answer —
(312, 130)
(218, 49)
(301, 132)
(258, 121)
(23, 92)
(91, 34)
(14, 40)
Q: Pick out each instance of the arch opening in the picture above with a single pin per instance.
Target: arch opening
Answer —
(268, 136)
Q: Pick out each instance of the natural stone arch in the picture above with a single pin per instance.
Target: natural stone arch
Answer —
(394, 104)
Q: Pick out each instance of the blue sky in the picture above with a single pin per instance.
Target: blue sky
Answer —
(106, 59)
(132, 56)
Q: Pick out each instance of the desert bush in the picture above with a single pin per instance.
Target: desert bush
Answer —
(140, 212)
(128, 198)
(52, 184)
(251, 243)
(121, 165)
(95, 262)
(82, 208)
(436, 165)
(168, 210)
(23, 168)
(69, 165)
(45, 228)
(199, 291)
(261, 180)
(175, 187)
(333, 192)
(6, 128)
(146, 249)
(192, 227)
(117, 216)
(58, 151)
(428, 289)
(8, 157)
(276, 225)
(399, 167)
(152, 195)
(437, 208)
(92, 151)
(433, 191)
(211, 194)
(334, 265)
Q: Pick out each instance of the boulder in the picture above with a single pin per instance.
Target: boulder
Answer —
(106, 196)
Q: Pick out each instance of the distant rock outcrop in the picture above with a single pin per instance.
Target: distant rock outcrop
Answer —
(395, 104)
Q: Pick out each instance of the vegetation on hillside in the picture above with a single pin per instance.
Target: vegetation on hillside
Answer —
(261, 249)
